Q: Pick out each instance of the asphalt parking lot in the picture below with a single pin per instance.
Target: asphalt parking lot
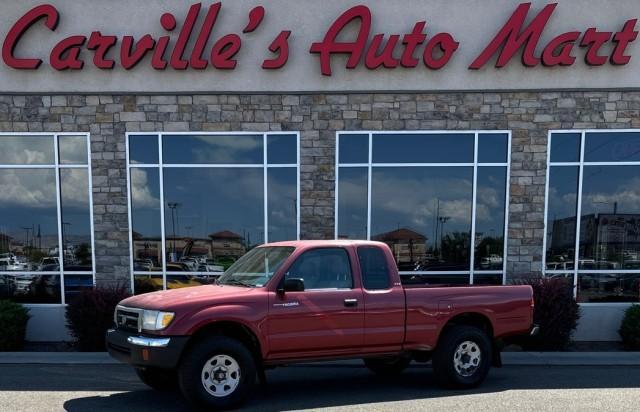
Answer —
(335, 387)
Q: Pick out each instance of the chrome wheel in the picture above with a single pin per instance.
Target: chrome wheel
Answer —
(467, 358)
(221, 376)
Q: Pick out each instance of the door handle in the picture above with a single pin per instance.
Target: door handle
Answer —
(351, 303)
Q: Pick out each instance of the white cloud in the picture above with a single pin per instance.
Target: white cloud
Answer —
(140, 191)
(31, 188)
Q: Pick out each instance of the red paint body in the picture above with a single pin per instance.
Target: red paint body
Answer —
(384, 322)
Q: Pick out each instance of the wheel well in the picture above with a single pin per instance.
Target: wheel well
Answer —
(233, 330)
(472, 319)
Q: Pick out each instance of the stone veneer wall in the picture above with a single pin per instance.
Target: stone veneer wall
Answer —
(318, 116)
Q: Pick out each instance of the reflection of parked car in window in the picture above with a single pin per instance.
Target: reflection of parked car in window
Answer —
(491, 262)
(48, 261)
(210, 268)
(560, 265)
(142, 265)
(191, 262)
(177, 267)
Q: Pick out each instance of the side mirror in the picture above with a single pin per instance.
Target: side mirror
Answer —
(292, 285)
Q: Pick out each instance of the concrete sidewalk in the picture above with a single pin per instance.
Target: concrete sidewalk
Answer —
(508, 358)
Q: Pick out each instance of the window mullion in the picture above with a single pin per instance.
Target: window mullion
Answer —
(59, 216)
(474, 194)
(162, 228)
(576, 261)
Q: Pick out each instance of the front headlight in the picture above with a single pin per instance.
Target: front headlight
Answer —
(156, 320)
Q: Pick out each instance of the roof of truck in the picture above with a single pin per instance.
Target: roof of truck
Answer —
(315, 243)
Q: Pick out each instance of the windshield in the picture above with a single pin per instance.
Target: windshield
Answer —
(256, 267)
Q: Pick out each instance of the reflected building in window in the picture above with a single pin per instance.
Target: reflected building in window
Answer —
(409, 248)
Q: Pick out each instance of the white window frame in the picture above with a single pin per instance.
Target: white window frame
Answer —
(161, 166)
(475, 165)
(580, 164)
(57, 167)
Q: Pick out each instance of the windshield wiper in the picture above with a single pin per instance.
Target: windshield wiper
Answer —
(237, 282)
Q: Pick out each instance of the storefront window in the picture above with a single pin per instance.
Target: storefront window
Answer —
(201, 201)
(46, 237)
(437, 199)
(601, 184)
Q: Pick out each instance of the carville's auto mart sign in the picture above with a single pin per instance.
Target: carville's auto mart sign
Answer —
(280, 45)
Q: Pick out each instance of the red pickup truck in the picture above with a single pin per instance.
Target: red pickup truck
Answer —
(310, 301)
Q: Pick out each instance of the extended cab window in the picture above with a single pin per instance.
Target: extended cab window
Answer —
(326, 268)
(375, 272)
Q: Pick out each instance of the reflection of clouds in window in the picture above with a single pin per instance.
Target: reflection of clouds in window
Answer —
(490, 195)
(216, 199)
(28, 188)
(140, 189)
(562, 205)
(26, 150)
(213, 149)
(73, 149)
(625, 194)
(282, 203)
(488, 198)
(225, 151)
(416, 198)
(232, 183)
(74, 187)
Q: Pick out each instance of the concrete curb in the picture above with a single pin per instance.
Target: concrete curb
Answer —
(508, 358)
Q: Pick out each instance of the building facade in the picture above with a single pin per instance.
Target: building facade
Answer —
(158, 179)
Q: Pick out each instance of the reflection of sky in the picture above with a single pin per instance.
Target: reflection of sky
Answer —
(604, 187)
(74, 197)
(409, 197)
(27, 150)
(492, 147)
(28, 200)
(423, 148)
(352, 202)
(282, 203)
(612, 147)
(354, 148)
(490, 200)
(282, 149)
(563, 186)
(145, 202)
(73, 149)
(213, 149)
(565, 147)
(213, 200)
(143, 149)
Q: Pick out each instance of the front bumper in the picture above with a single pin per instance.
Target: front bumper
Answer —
(144, 351)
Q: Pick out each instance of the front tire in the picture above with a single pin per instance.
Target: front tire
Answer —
(387, 366)
(462, 358)
(217, 373)
(158, 379)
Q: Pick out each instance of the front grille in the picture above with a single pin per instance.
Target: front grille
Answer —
(128, 319)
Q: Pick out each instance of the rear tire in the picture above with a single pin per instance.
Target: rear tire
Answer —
(217, 373)
(462, 358)
(158, 379)
(387, 366)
